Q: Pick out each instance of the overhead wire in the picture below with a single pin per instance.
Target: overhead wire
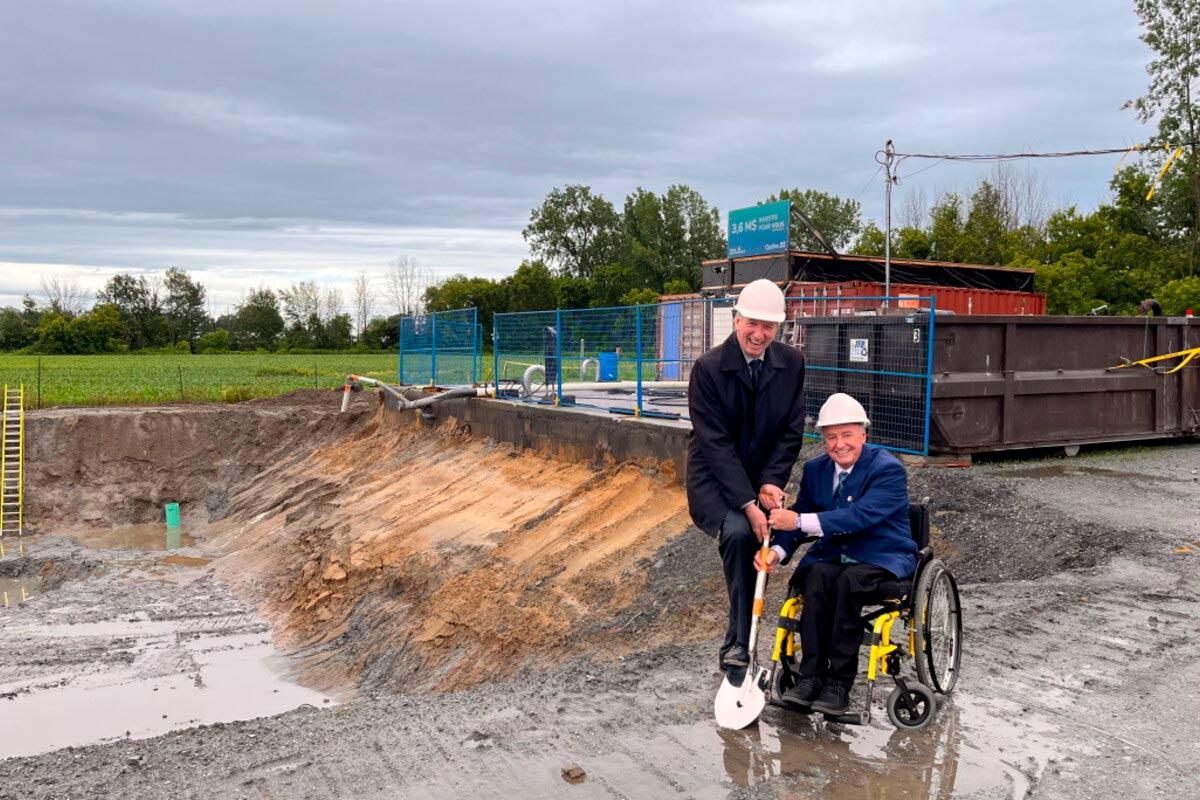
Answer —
(1051, 154)
(870, 180)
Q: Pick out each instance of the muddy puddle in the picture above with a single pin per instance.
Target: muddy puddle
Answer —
(966, 752)
(147, 536)
(159, 676)
(17, 590)
(143, 643)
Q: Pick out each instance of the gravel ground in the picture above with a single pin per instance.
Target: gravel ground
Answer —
(1079, 583)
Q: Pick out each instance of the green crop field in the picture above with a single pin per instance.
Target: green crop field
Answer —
(170, 378)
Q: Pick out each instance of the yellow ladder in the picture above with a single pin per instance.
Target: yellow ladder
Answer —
(12, 467)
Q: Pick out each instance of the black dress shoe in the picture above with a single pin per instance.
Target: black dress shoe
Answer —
(736, 657)
(807, 689)
(834, 699)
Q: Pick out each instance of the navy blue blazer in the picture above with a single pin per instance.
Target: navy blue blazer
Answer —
(871, 525)
(741, 439)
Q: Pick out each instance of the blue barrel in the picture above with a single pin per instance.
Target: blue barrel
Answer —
(608, 366)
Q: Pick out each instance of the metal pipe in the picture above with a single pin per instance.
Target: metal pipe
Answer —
(405, 404)
(584, 365)
(527, 378)
(625, 385)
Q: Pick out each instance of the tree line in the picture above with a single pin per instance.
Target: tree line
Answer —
(168, 312)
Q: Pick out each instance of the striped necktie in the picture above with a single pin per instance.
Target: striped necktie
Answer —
(839, 494)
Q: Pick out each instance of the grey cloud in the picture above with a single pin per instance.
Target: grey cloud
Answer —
(232, 118)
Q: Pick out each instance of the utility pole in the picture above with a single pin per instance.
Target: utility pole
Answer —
(889, 155)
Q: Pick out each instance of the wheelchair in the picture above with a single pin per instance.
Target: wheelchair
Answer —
(929, 605)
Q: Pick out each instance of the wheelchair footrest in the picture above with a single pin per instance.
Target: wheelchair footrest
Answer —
(851, 718)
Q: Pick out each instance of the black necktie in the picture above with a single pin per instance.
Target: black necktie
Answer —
(755, 369)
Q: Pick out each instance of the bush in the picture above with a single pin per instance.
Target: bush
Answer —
(639, 297)
(237, 394)
(676, 286)
(1179, 295)
(215, 341)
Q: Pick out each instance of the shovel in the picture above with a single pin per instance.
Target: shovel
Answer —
(739, 706)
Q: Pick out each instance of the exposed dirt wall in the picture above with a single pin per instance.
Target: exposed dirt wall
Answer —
(435, 559)
(94, 467)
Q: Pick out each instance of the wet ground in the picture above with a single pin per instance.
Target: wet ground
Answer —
(1080, 583)
(139, 643)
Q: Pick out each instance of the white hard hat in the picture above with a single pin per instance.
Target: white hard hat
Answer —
(761, 300)
(841, 409)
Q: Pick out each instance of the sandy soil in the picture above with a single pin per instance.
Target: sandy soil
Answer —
(575, 614)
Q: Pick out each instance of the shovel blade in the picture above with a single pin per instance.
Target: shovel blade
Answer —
(739, 706)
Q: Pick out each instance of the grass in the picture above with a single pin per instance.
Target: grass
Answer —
(170, 378)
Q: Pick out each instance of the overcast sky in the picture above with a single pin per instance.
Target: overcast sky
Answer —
(260, 143)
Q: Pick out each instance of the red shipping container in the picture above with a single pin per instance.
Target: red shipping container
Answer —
(958, 299)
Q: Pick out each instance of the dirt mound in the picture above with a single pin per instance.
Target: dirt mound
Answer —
(434, 559)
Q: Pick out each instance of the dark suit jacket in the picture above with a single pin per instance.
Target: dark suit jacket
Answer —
(741, 440)
(871, 525)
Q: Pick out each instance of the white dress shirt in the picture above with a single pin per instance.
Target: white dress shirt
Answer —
(809, 523)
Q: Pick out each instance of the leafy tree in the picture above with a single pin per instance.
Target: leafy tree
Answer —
(531, 288)
(335, 334)
(870, 241)
(642, 239)
(691, 234)
(676, 286)
(1177, 296)
(99, 331)
(639, 297)
(945, 228)
(382, 333)
(301, 302)
(258, 322)
(573, 230)
(215, 341)
(610, 283)
(183, 306)
(572, 292)
(839, 220)
(459, 291)
(137, 301)
(15, 330)
(1171, 28)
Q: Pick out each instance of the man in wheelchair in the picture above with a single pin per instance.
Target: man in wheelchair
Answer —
(854, 501)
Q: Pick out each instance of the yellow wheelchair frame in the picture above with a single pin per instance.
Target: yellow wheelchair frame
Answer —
(912, 703)
(882, 660)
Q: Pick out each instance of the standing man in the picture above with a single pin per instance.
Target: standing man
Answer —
(746, 402)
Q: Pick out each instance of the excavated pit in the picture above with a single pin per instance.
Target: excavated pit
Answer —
(382, 555)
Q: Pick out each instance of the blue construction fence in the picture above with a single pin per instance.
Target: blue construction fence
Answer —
(442, 348)
(637, 359)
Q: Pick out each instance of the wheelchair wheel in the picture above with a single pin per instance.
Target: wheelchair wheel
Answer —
(917, 712)
(937, 619)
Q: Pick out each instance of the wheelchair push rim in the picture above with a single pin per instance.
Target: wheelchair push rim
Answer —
(938, 628)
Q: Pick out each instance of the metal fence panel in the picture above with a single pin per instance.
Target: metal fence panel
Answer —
(881, 358)
(638, 359)
(440, 348)
(586, 356)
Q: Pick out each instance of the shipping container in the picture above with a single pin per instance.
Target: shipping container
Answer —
(960, 300)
